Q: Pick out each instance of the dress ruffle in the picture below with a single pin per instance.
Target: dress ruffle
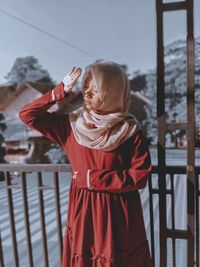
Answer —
(140, 257)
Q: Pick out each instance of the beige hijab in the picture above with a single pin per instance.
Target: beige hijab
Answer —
(110, 130)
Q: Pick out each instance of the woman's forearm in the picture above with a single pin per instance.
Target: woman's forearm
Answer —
(52, 125)
(39, 106)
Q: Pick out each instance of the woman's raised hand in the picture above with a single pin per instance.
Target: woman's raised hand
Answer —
(71, 78)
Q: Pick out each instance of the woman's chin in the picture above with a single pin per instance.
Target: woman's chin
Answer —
(88, 106)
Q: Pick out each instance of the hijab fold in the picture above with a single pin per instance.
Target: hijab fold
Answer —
(105, 132)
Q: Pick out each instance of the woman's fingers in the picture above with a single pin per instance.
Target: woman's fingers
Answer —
(72, 70)
(71, 78)
(76, 71)
(76, 76)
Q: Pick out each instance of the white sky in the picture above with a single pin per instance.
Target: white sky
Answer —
(120, 30)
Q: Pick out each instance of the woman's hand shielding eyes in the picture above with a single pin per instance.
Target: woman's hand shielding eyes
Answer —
(71, 78)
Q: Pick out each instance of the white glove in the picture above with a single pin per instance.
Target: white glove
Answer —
(71, 78)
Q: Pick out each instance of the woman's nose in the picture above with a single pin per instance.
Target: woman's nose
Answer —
(88, 92)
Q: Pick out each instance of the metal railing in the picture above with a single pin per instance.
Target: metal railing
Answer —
(23, 171)
(171, 232)
(39, 169)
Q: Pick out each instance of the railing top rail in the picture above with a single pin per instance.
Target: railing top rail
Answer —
(36, 167)
(175, 169)
(67, 168)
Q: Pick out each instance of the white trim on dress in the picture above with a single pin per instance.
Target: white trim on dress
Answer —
(88, 179)
(53, 95)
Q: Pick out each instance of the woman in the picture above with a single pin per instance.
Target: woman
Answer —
(110, 161)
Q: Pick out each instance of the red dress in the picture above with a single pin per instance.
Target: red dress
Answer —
(105, 226)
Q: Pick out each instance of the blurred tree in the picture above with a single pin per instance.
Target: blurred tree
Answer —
(27, 69)
(138, 83)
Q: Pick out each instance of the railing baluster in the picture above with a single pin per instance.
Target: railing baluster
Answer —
(26, 219)
(1, 253)
(173, 218)
(12, 219)
(58, 215)
(151, 220)
(197, 220)
(42, 219)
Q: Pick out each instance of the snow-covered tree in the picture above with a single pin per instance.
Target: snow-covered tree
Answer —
(56, 155)
(175, 88)
(27, 69)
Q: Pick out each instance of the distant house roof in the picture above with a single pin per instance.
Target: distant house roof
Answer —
(10, 106)
(41, 87)
(9, 93)
(4, 104)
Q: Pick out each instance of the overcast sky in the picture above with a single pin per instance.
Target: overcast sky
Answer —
(120, 30)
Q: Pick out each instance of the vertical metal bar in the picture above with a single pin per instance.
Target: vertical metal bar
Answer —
(190, 134)
(42, 220)
(151, 221)
(1, 253)
(58, 214)
(197, 221)
(26, 220)
(12, 220)
(161, 121)
(173, 218)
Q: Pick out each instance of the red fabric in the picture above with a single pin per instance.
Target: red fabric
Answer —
(105, 226)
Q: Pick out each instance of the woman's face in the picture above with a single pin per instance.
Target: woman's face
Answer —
(91, 94)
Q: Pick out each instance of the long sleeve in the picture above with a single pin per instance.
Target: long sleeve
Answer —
(120, 181)
(54, 126)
